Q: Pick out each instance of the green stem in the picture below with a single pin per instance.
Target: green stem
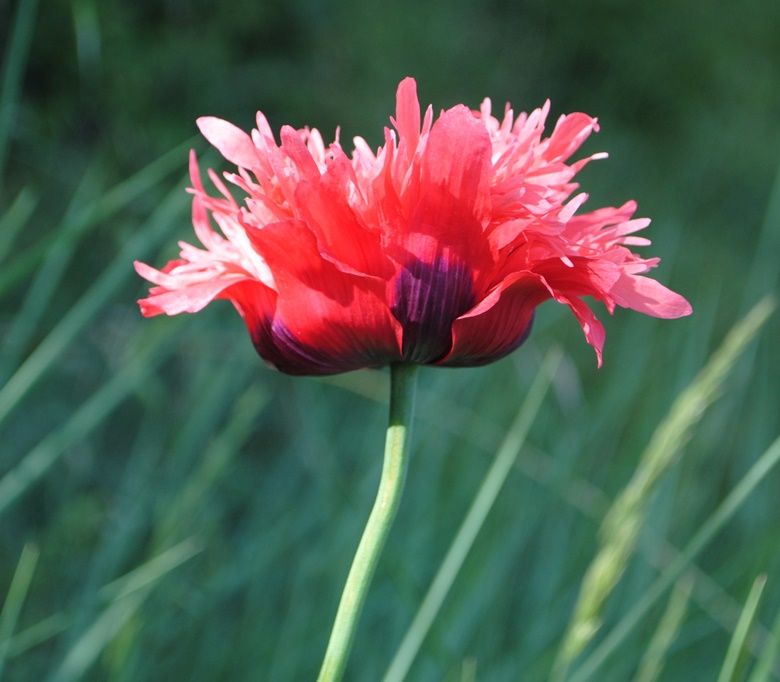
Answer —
(403, 380)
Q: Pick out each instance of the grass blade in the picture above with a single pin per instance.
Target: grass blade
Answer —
(15, 218)
(765, 268)
(77, 225)
(86, 651)
(88, 306)
(140, 578)
(130, 594)
(39, 292)
(214, 461)
(91, 413)
(15, 61)
(653, 661)
(17, 593)
(757, 473)
(735, 655)
(37, 634)
(152, 570)
(622, 524)
(763, 670)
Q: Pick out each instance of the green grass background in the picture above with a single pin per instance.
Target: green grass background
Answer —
(170, 509)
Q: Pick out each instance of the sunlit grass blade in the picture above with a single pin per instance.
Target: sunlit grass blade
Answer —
(14, 601)
(86, 417)
(89, 305)
(468, 670)
(152, 570)
(94, 641)
(734, 662)
(144, 505)
(762, 275)
(669, 626)
(94, 215)
(766, 665)
(130, 189)
(139, 579)
(37, 634)
(709, 529)
(217, 456)
(620, 528)
(45, 283)
(15, 218)
(15, 60)
(765, 268)
(475, 518)
(129, 594)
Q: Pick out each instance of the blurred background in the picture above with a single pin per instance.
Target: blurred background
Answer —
(172, 509)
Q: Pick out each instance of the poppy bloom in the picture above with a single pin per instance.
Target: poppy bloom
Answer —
(435, 249)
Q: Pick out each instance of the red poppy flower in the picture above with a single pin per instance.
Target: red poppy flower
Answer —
(436, 249)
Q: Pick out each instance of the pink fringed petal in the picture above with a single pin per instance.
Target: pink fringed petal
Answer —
(647, 296)
(407, 118)
(188, 296)
(232, 142)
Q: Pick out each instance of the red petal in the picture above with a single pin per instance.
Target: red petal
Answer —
(585, 277)
(326, 321)
(454, 201)
(499, 324)
(340, 232)
(495, 327)
(591, 327)
(427, 296)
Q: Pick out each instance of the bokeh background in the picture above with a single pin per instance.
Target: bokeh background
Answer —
(189, 514)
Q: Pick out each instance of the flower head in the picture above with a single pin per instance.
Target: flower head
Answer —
(435, 249)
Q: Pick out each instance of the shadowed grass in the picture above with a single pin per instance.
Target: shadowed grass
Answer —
(13, 221)
(14, 63)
